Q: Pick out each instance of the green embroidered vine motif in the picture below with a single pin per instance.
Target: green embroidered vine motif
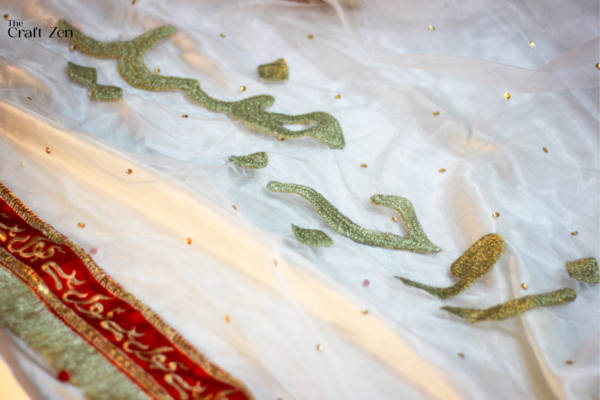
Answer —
(90, 76)
(477, 261)
(584, 270)
(415, 239)
(275, 71)
(312, 237)
(514, 307)
(251, 111)
(254, 161)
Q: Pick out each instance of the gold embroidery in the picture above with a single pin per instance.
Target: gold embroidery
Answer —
(36, 246)
(90, 76)
(118, 356)
(312, 237)
(254, 161)
(251, 111)
(514, 307)
(27, 317)
(415, 239)
(477, 261)
(275, 71)
(584, 270)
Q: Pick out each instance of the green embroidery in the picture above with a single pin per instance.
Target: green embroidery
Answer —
(90, 76)
(415, 239)
(275, 71)
(254, 161)
(477, 261)
(312, 237)
(514, 307)
(251, 111)
(584, 270)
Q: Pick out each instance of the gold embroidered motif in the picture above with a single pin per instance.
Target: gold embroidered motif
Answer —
(584, 270)
(477, 261)
(251, 111)
(111, 352)
(275, 71)
(514, 307)
(90, 76)
(415, 239)
(312, 237)
(254, 161)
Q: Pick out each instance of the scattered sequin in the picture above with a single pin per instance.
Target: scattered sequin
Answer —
(132, 2)
(442, 169)
(584, 270)
(29, 98)
(574, 233)
(477, 261)
(184, 116)
(310, 37)
(394, 219)
(598, 66)
(514, 307)
(415, 239)
(276, 71)
(81, 225)
(366, 283)
(337, 96)
(281, 139)
(507, 96)
(436, 113)
(496, 215)
(73, 47)
(254, 161)
(532, 44)
(227, 318)
(275, 262)
(363, 165)
(188, 240)
(545, 149)
(223, 35)
(48, 150)
(431, 28)
(6, 17)
(461, 355)
(242, 88)
(320, 347)
(524, 286)
(156, 70)
(364, 311)
(234, 207)
(129, 171)
(23, 163)
(312, 237)
(63, 376)
(569, 362)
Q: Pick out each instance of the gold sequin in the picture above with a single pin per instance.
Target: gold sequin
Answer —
(574, 233)
(275, 262)
(81, 225)
(73, 47)
(461, 355)
(477, 261)
(6, 17)
(281, 139)
(132, 2)
(242, 88)
(320, 347)
(598, 66)
(442, 169)
(254, 161)
(251, 111)
(415, 239)
(188, 240)
(223, 35)
(363, 165)
(23, 163)
(496, 215)
(436, 113)
(431, 28)
(584, 270)
(312, 237)
(337, 96)
(234, 207)
(184, 116)
(227, 318)
(524, 286)
(90, 76)
(507, 96)
(276, 71)
(29, 98)
(569, 362)
(394, 219)
(545, 149)
(532, 44)
(514, 307)
(364, 311)
(129, 171)
(48, 150)
(310, 37)
(156, 70)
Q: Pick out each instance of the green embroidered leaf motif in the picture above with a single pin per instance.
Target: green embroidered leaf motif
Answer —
(584, 270)
(90, 76)
(514, 307)
(477, 261)
(415, 240)
(312, 237)
(275, 71)
(254, 161)
(251, 111)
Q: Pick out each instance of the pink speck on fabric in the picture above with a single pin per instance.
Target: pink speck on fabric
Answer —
(93, 250)
(366, 283)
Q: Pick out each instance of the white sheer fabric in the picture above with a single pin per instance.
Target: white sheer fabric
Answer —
(392, 73)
